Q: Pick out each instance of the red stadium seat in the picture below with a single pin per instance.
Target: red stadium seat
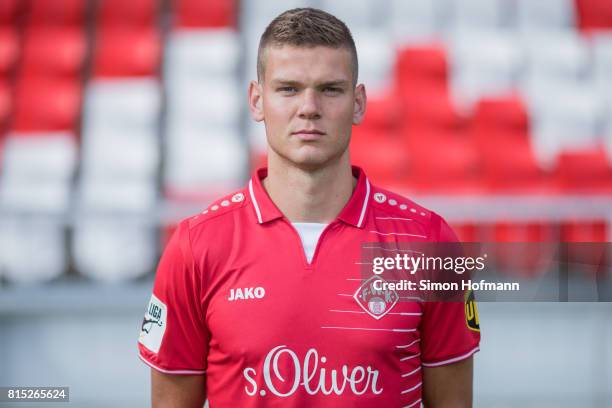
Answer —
(585, 247)
(47, 105)
(166, 234)
(9, 50)
(431, 111)
(131, 14)
(57, 12)
(383, 112)
(258, 159)
(205, 13)
(501, 114)
(584, 231)
(594, 14)
(6, 100)
(444, 163)
(52, 51)
(526, 249)
(584, 171)
(9, 11)
(421, 70)
(508, 231)
(466, 231)
(127, 53)
(510, 166)
(501, 130)
(382, 155)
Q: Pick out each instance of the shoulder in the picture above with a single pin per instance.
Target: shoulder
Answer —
(219, 214)
(389, 205)
(211, 231)
(393, 204)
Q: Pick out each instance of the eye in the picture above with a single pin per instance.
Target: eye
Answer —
(332, 90)
(287, 89)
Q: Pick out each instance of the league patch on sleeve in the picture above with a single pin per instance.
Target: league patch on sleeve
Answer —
(153, 325)
(471, 312)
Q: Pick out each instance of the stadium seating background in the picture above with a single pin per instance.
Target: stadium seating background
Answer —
(117, 118)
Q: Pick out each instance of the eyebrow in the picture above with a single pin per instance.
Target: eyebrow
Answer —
(339, 82)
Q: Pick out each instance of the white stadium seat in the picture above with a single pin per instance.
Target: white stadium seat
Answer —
(32, 249)
(202, 54)
(257, 14)
(608, 138)
(602, 65)
(553, 56)
(545, 15)
(250, 57)
(376, 57)
(127, 104)
(49, 156)
(257, 136)
(414, 20)
(117, 196)
(37, 172)
(206, 102)
(565, 117)
(484, 63)
(204, 110)
(119, 155)
(602, 53)
(39, 196)
(479, 14)
(111, 249)
(196, 160)
(356, 14)
(120, 145)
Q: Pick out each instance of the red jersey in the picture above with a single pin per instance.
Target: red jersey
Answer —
(235, 298)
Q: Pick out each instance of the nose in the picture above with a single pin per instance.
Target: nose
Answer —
(309, 105)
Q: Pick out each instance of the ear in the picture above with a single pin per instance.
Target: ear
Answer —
(256, 101)
(360, 104)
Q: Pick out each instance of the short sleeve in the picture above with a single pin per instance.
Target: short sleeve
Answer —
(173, 337)
(450, 331)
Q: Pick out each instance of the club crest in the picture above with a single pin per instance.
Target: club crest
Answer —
(376, 303)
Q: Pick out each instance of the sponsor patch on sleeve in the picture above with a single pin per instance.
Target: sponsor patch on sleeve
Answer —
(471, 312)
(153, 325)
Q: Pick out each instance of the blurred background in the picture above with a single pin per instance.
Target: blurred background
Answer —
(120, 117)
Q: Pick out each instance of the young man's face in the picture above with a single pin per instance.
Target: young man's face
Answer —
(308, 102)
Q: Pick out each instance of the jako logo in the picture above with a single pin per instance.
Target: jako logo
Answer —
(246, 293)
(283, 378)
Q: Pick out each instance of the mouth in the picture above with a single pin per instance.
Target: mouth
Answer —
(308, 134)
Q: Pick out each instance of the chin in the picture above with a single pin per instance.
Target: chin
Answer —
(313, 161)
(309, 157)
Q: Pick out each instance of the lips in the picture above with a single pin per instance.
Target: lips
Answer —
(309, 131)
(308, 134)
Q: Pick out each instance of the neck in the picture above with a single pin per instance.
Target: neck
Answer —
(306, 195)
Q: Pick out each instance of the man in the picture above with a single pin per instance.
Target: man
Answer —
(259, 301)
